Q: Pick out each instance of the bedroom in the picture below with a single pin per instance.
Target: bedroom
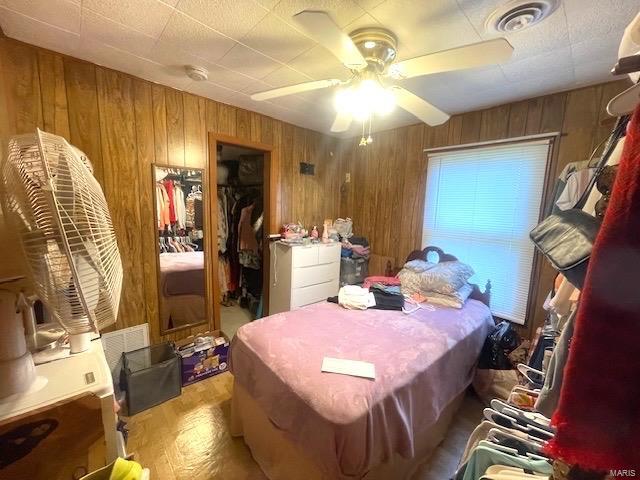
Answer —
(488, 140)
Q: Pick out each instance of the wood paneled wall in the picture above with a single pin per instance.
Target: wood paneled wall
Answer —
(385, 197)
(125, 124)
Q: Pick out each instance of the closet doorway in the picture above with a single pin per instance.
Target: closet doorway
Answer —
(242, 220)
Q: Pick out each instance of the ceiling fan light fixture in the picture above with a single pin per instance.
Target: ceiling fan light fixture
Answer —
(365, 99)
(369, 44)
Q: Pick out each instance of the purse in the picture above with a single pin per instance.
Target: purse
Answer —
(566, 238)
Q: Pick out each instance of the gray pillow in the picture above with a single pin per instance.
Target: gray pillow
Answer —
(444, 277)
(419, 265)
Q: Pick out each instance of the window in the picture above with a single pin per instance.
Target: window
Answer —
(480, 204)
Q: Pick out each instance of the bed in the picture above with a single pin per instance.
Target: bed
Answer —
(182, 289)
(301, 423)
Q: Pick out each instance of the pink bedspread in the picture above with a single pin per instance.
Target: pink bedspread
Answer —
(182, 273)
(349, 424)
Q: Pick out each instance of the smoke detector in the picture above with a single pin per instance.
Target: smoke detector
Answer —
(517, 15)
(196, 73)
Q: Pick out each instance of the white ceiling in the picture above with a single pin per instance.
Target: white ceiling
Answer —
(249, 46)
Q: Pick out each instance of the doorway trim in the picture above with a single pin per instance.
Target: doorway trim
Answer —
(271, 211)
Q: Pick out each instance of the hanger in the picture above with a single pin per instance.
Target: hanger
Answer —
(496, 435)
(625, 102)
(513, 423)
(533, 417)
(510, 451)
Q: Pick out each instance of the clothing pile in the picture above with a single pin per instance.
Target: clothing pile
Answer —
(443, 283)
(356, 247)
(381, 294)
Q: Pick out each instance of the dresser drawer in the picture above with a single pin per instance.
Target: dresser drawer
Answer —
(315, 274)
(329, 253)
(305, 256)
(313, 294)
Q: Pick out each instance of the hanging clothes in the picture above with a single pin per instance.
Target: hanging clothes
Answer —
(162, 206)
(223, 222)
(246, 235)
(598, 427)
(180, 208)
(168, 185)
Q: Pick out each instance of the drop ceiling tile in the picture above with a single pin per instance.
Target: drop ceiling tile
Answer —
(548, 35)
(318, 64)
(277, 39)
(255, 86)
(544, 64)
(246, 60)
(175, 58)
(603, 49)
(436, 25)
(285, 76)
(192, 36)
(367, 5)
(343, 12)
(594, 72)
(231, 17)
(101, 29)
(210, 90)
(35, 32)
(293, 102)
(590, 18)
(59, 13)
(147, 16)
(268, 4)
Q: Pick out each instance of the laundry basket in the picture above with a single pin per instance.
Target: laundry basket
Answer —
(151, 376)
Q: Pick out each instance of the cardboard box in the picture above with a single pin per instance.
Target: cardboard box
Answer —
(203, 356)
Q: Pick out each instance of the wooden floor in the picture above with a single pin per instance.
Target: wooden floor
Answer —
(188, 437)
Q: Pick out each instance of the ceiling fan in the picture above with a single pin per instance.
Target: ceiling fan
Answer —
(370, 54)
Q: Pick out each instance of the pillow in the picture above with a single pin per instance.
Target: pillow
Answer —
(419, 265)
(456, 300)
(444, 277)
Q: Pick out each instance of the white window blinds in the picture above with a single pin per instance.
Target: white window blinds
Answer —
(480, 205)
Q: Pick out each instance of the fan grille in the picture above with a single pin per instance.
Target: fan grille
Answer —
(59, 210)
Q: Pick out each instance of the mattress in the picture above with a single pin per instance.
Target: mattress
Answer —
(348, 425)
(182, 273)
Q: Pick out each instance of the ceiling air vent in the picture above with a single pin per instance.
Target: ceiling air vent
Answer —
(520, 14)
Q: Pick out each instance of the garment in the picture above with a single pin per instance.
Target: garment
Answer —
(480, 433)
(190, 211)
(168, 185)
(598, 420)
(246, 235)
(353, 297)
(180, 208)
(550, 393)
(198, 213)
(483, 457)
(385, 300)
(381, 280)
(162, 205)
(223, 224)
(576, 185)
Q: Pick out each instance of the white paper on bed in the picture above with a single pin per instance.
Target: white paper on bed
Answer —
(356, 368)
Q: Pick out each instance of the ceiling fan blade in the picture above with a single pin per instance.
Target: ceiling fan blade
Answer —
(491, 52)
(321, 27)
(342, 122)
(419, 107)
(297, 88)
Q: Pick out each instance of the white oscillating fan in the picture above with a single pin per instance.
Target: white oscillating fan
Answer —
(55, 204)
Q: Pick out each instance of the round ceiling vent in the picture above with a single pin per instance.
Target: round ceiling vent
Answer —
(196, 73)
(520, 14)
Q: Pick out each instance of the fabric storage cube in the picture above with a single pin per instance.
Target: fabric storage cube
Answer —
(151, 376)
(353, 271)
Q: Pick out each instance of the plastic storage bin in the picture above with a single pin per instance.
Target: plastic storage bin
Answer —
(151, 376)
(353, 271)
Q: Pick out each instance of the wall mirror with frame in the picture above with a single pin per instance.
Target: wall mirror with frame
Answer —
(181, 222)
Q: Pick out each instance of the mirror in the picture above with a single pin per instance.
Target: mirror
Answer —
(180, 220)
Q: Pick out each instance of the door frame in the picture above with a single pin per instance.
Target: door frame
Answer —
(271, 211)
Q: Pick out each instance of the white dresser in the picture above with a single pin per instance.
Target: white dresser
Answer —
(301, 275)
